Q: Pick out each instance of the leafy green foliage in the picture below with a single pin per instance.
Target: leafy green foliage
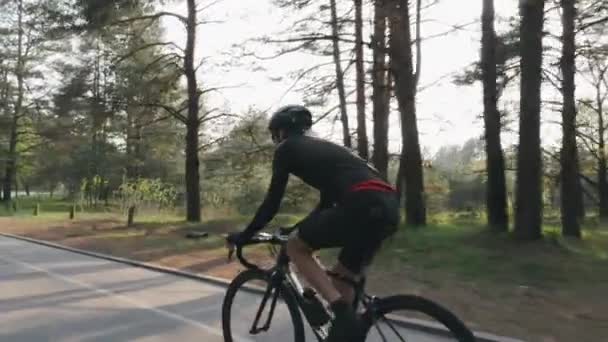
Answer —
(146, 193)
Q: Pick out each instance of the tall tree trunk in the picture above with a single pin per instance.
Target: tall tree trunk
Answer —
(602, 183)
(9, 174)
(418, 43)
(139, 149)
(339, 75)
(580, 193)
(528, 211)
(192, 125)
(134, 142)
(405, 90)
(496, 193)
(362, 143)
(7, 112)
(380, 90)
(401, 170)
(570, 186)
(11, 164)
(130, 167)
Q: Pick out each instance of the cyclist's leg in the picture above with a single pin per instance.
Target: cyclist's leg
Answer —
(346, 290)
(300, 254)
(377, 218)
(319, 230)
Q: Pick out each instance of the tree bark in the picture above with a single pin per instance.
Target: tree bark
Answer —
(339, 75)
(405, 90)
(496, 194)
(130, 168)
(362, 143)
(10, 171)
(602, 183)
(380, 90)
(580, 193)
(11, 164)
(528, 211)
(193, 196)
(570, 182)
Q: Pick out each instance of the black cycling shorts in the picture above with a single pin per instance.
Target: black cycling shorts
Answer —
(359, 225)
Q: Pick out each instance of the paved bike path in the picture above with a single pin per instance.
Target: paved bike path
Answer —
(48, 294)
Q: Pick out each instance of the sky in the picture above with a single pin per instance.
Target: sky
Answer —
(448, 114)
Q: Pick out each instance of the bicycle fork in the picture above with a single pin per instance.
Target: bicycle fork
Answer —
(273, 291)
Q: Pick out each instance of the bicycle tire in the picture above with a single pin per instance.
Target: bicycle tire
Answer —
(287, 296)
(384, 306)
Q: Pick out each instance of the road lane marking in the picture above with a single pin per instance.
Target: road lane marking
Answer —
(123, 298)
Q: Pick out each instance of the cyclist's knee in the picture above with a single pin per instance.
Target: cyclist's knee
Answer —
(296, 246)
(345, 272)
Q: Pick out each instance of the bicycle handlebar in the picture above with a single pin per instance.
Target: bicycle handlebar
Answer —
(280, 237)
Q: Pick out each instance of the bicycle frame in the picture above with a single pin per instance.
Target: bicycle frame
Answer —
(282, 273)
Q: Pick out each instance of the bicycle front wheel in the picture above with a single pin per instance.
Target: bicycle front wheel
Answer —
(255, 311)
(384, 329)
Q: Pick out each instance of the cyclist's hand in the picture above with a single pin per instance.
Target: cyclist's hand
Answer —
(237, 239)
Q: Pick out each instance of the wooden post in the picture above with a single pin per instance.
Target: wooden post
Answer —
(131, 216)
(72, 211)
(37, 209)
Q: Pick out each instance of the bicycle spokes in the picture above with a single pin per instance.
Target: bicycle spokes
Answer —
(385, 335)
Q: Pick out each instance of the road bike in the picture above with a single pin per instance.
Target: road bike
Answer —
(259, 296)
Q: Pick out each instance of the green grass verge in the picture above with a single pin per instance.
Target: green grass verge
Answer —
(474, 254)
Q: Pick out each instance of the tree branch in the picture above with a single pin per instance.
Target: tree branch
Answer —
(175, 113)
(445, 33)
(592, 23)
(591, 150)
(206, 7)
(206, 146)
(156, 16)
(144, 47)
(311, 38)
(589, 104)
(328, 112)
(160, 58)
(548, 76)
(587, 137)
(208, 117)
(209, 90)
(588, 180)
(206, 22)
(278, 54)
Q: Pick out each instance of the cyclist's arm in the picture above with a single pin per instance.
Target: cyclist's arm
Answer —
(270, 206)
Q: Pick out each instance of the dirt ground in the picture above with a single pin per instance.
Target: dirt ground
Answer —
(528, 313)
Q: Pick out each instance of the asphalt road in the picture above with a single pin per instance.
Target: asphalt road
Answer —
(47, 294)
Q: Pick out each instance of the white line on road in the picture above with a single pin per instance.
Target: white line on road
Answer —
(123, 298)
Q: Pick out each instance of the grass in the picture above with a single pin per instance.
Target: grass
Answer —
(454, 244)
(472, 253)
(49, 207)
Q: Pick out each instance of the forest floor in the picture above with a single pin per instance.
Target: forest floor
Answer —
(549, 290)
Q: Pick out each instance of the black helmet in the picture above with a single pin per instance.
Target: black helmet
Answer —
(292, 118)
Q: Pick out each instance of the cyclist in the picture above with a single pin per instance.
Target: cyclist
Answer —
(357, 211)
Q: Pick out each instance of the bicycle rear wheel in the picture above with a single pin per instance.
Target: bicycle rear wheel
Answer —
(242, 305)
(380, 328)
